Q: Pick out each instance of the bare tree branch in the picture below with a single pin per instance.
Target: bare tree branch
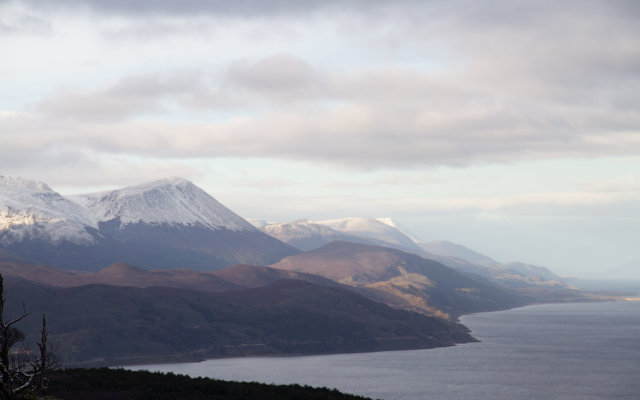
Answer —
(21, 370)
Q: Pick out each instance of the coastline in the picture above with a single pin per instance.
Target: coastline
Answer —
(201, 356)
(586, 296)
(186, 359)
(532, 352)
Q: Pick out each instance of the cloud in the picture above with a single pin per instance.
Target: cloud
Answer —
(277, 75)
(245, 8)
(22, 21)
(129, 97)
(375, 92)
(485, 13)
(273, 79)
(477, 84)
(73, 170)
(374, 117)
(356, 135)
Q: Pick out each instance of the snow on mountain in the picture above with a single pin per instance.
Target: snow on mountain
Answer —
(38, 223)
(298, 228)
(304, 234)
(170, 223)
(32, 210)
(172, 201)
(309, 235)
(373, 229)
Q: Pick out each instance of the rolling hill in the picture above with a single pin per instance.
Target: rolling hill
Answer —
(408, 281)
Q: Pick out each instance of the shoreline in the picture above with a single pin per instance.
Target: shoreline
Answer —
(185, 359)
(555, 360)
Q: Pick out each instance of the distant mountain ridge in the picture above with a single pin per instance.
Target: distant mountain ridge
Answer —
(170, 223)
(515, 275)
(306, 235)
(448, 249)
(402, 279)
(309, 235)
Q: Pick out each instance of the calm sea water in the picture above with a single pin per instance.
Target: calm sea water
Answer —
(557, 351)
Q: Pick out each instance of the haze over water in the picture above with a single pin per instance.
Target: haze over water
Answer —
(555, 351)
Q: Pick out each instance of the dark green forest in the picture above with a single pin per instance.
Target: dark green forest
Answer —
(121, 384)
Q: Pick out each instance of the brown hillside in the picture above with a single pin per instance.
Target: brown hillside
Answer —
(407, 280)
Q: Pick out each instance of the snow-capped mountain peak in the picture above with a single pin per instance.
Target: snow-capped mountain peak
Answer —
(301, 227)
(32, 210)
(308, 235)
(19, 185)
(169, 223)
(172, 201)
(370, 228)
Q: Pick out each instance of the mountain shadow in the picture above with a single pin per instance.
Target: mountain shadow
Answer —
(98, 325)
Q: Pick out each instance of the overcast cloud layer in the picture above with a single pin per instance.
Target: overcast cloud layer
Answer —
(435, 84)
(116, 92)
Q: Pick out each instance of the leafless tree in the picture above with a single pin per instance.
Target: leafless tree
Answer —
(22, 372)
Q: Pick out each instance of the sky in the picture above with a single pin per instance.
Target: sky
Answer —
(511, 127)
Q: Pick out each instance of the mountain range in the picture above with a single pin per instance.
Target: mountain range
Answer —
(308, 235)
(163, 271)
(170, 223)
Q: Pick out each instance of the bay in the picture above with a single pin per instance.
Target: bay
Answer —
(553, 351)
